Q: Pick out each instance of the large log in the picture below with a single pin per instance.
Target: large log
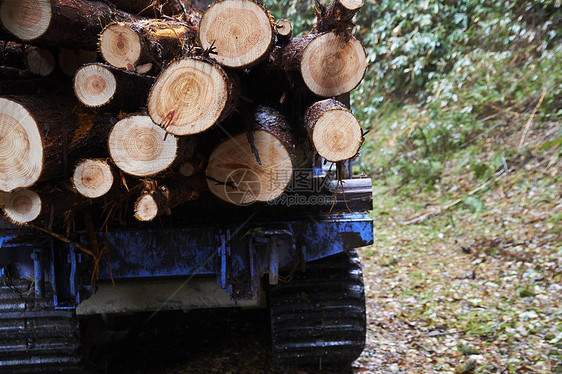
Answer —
(98, 85)
(333, 129)
(239, 31)
(191, 95)
(337, 16)
(233, 172)
(65, 23)
(133, 45)
(329, 64)
(92, 178)
(141, 148)
(39, 138)
(160, 197)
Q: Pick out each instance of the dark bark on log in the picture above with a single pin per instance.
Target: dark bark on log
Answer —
(336, 17)
(70, 60)
(155, 8)
(100, 85)
(64, 23)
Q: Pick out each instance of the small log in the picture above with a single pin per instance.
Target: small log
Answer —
(70, 60)
(40, 61)
(65, 23)
(330, 65)
(233, 172)
(141, 148)
(284, 30)
(191, 95)
(92, 178)
(337, 16)
(239, 31)
(130, 45)
(159, 198)
(39, 137)
(333, 129)
(21, 206)
(98, 85)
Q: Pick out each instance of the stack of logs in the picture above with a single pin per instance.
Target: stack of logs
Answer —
(185, 100)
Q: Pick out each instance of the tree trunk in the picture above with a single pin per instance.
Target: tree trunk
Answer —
(330, 65)
(98, 85)
(65, 23)
(337, 16)
(92, 177)
(191, 95)
(70, 60)
(333, 129)
(234, 173)
(39, 137)
(141, 148)
(130, 45)
(160, 197)
(240, 32)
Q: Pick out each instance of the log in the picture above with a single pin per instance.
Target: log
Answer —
(154, 8)
(337, 16)
(141, 148)
(70, 60)
(240, 32)
(159, 198)
(191, 95)
(333, 129)
(233, 172)
(65, 23)
(330, 65)
(37, 60)
(39, 138)
(130, 45)
(21, 206)
(284, 30)
(92, 178)
(97, 85)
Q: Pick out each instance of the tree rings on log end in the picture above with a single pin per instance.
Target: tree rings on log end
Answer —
(22, 206)
(188, 97)
(94, 85)
(21, 147)
(140, 147)
(92, 178)
(146, 208)
(26, 19)
(332, 66)
(240, 31)
(351, 4)
(234, 175)
(120, 46)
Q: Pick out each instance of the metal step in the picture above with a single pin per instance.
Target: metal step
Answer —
(318, 318)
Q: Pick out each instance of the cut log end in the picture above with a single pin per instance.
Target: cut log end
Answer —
(146, 208)
(92, 178)
(120, 46)
(22, 206)
(188, 97)
(141, 148)
(351, 4)
(337, 135)
(283, 27)
(94, 85)
(332, 65)
(240, 31)
(234, 175)
(21, 148)
(26, 19)
(40, 61)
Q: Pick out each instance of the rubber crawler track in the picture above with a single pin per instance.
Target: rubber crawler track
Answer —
(318, 318)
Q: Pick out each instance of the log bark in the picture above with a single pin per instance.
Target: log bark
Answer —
(70, 60)
(330, 65)
(233, 172)
(65, 23)
(97, 85)
(337, 16)
(191, 95)
(37, 60)
(192, 166)
(160, 197)
(155, 8)
(39, 138)
(130, 45)
(92, 178)
(141, 148)
(333, 129)
(239, 31)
